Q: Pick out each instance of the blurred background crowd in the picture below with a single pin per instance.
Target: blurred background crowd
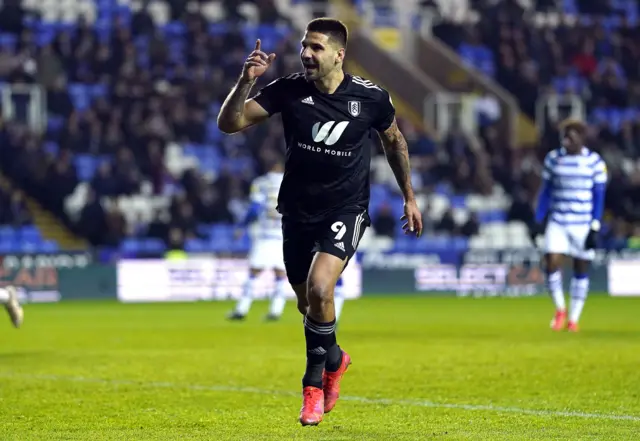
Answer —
(128, 155)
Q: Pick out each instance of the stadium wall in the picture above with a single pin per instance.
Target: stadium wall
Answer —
(73, 276)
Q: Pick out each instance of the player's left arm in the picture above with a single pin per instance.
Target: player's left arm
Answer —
(599, 189)
(397, 152)
(598, 195)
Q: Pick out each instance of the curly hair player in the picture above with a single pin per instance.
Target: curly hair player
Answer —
(574, 181)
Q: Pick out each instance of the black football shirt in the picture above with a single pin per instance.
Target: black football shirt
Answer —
(327, 136)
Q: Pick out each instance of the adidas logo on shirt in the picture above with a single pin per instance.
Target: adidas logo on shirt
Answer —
(308, 100)
(340, 246)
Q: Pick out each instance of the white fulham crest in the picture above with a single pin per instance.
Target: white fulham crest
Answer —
(354, 108)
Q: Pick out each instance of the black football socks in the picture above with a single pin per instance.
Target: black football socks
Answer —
(320, 339)
(334, 357)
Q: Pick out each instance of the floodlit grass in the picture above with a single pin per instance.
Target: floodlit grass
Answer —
(424, 368)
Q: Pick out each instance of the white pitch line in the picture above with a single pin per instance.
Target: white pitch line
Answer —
(364, 400)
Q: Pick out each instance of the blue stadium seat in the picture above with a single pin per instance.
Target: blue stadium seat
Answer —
(220, 244)
(459, 243)
(7, 247)
(195, 246)
(242, 245)
(221, 231)
(29, 234)
(86, 166)
(219, 28)
(204, 230)
(153, 245)
(51, 147)
(54, 124)
(130, 245)
(8, 42)
(7, 233)
(28, 247)
(49, 246)
(98, 90)
(175, 29)
(492, 216)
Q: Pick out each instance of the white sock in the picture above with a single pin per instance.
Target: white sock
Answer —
(338, 299)
(554, 284)
(244, 304)
(579, 291)
(278, 300)
(4, 295)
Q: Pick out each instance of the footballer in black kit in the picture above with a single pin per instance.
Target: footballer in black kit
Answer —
(328, 117)
(325, 191)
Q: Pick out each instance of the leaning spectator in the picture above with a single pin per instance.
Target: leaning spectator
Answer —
(19, 212)
(384, 224)
(472, 226)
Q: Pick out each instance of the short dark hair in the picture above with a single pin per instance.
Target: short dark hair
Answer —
(331, 27)
(574, 124)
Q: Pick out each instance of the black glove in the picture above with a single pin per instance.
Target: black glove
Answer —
(535, 230)
(591, 242)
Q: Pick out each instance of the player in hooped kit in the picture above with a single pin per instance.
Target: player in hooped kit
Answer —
(266, 244)
(574, 181)
(327, 116)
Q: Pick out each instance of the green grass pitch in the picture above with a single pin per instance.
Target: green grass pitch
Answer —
(424, 369)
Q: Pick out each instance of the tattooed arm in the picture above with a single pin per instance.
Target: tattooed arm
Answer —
(397, 153)
(237, 112)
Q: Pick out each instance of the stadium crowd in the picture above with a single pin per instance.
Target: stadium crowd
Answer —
(590, 52)
(13, 209)
(125, 94)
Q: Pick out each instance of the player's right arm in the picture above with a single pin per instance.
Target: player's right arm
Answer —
(238, 112)
(544, 197)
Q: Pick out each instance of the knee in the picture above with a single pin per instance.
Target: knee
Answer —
(319, 292)
(553, 264)
(303, 306)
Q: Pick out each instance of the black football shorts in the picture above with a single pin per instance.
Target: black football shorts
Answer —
(338, 235)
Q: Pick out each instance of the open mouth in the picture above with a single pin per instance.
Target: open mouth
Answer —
(310, 67)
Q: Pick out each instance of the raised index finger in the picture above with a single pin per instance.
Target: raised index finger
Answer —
(258, 43)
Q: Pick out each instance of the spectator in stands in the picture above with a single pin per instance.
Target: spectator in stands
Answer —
(183, 217)
(176, 239)
(58, 100)
(521, 209)
(92, 222)
(428, 223)
(141, 21)
(50, 69)
(472, 226)
(618, 235)
(447, 223)
(634, 240)
(585, 60)
(116, 228)
(19, 214)
(137, 227)
(211, 208)
(384, 223)
(62, 174)
(104, 183)
(159, 225)
(12, 16)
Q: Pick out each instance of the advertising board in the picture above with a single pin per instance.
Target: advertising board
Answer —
(207, 278)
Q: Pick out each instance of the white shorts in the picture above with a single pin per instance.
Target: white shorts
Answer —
(568, 240)
(266, 254)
